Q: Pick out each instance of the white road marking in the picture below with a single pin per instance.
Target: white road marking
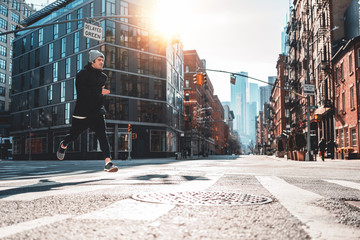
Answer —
(345, 183)
(131, 210)
(25, 226)
(319, 223)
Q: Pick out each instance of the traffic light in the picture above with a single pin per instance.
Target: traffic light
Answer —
(198, 78)
(316, 118)
(232, 79)
(204, 77)
(129, 127)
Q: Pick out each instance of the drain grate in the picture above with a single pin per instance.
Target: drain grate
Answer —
(202, 198)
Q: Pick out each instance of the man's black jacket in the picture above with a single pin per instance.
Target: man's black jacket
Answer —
(90, 100)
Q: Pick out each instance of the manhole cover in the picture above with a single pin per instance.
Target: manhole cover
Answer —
(202, 198)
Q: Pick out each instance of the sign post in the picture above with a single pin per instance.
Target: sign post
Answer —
(309, 89)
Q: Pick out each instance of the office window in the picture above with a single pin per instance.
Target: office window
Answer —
(124, 10)
(41, 37)
(352, 102)
(350, 63)
(55, 72)
(2, 78)
(3, 38)
(2, 64)
(92, 9)
(32, 41)
(2, 91)
(10, 80)
(56, 31)
(3, 50)
(67, 113)
(13, 27)
(79, 16)
(76, 42)
(15, 17)
(67, 67)
(51, 52)
(63, 47)
(68, 24)
(87, 42)
(3, 10)
(3, 23)
(353, 137)
(75, 92)
(78, 62)
(62, 91)
(49, 93)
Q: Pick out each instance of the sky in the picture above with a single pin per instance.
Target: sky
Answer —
(231, 35)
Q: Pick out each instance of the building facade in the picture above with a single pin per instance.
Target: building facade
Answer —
(11, 14)
(204, 113)
(145, 79)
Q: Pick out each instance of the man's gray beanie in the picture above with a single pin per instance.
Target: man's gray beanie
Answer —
(94, 54)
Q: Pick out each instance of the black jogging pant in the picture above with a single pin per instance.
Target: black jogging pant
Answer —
(96, 124)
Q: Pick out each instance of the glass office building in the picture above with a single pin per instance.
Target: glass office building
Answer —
(145, 78)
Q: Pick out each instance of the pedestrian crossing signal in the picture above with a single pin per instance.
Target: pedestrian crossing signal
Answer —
(129, 127)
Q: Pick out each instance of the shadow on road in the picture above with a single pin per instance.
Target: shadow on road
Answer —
(42, 186)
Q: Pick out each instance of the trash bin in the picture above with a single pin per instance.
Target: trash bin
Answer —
(177, 155)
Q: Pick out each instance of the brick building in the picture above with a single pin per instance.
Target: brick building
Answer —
(346, 74)
(204, 113)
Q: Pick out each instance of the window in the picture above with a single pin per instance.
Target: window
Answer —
(3, 23)
(3, 38)
(63, 47)
(41, 37)
(353, 137)
(338, 105)
(352, 103)
(78, 62)
(67, 113)
(350, 63)
(56, 31)
(87, 42)
(68, 68)
(187, 96)
(186, 68)
(2, 78)
(342, 71)
(76, 42)
(79, 16)
(3, 10)
(68, 24)
(92, 9)
(3, 50)
(158, 141)
(62, 91)
(346, 137)
(2, 91)
(343, 102)
(2, 64)
(359, 57)
(124, 10)
(341, 138)
(55, 72)
(51, 52)
(75, 92)
(186, 83)
(15, 17)
(49, 93)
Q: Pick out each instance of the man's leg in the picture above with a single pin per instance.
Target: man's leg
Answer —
(99, 127)
(77, 127)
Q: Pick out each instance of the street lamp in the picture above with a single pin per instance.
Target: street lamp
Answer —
(308, 156)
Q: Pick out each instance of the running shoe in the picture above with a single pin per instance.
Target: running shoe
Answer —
(61, 151)
(110, 167)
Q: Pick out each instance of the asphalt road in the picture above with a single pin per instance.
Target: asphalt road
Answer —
(250, 197)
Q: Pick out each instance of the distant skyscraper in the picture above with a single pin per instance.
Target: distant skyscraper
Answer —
(238, 102)
(271, 80)
(284, 42)
(254, 95)
(265, 93)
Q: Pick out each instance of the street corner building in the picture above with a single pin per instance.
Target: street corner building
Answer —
(145, 77)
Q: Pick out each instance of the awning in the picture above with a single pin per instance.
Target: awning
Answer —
(322, 110)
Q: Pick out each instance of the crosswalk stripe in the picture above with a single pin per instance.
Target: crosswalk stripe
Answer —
(299, 202)
(345, 183)
(25, 226)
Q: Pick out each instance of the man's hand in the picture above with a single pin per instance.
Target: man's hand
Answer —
(105, 91)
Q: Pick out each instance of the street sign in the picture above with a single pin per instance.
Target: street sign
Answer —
(309, 89)
(93, 31)
(313, 107)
